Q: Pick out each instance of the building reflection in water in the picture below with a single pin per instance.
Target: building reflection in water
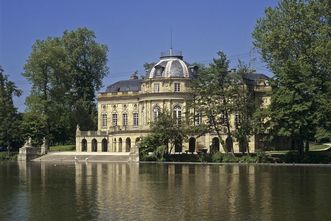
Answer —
(121, 191)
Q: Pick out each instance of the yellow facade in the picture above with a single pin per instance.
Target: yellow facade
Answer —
(126, 109)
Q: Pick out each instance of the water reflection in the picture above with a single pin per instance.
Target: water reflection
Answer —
(120, 191)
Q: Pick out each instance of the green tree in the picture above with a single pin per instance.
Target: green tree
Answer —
(148, 67)
(168, 129)
(245, 108)
(65, 73)
(294, 40)
(9, 118)
(213, 92)
(166, 133)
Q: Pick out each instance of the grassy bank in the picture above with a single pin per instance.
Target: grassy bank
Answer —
(11, 156)
(70, 147)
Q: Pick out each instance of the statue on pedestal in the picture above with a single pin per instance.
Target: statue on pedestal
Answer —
(28, 142)
(44, 147)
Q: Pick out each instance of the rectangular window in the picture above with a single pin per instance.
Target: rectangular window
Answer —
(114, 119)
(224, 119)
(135, 119)
(104, 120)
(177, 87)
(237, 119)
(156, 87)
(198, 118)
(125, 119)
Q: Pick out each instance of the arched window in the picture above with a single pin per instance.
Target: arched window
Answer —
(120, 145)
(178, 114)
(94, 145)
(156, 112)
(114, 145)
(191, 146)
(104, 145)
(84, 145)
(127, 144)
(104, 120)
(215, 145)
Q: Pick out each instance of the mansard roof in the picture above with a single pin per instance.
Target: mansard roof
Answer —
(254, 78)
(125, 86)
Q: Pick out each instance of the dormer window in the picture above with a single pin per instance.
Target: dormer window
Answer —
(158, 71)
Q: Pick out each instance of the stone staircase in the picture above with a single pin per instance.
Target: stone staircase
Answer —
(83, 157)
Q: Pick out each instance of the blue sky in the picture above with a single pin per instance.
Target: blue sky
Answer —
(136, 31)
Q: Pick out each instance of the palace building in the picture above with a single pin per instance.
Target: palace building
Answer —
(127, 107)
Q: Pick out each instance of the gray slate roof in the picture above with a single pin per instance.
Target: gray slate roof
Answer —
(252, 78)
(124, 86)
(134, 84)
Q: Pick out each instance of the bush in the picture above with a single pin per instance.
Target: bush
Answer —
(229, 158)
(159, 152)
(151, 157)
(6, 156)
(217, 157)
(261, 157)
(248, 159)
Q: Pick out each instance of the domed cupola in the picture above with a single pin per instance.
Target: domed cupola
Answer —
(171, 65)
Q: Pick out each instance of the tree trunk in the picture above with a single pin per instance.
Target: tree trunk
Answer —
(229, 133)
(218, 134)
(300, 147)
(306, 146)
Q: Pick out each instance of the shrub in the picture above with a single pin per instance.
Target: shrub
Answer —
(217, 157)
(248, 159)
(229, 158)
(6, 156)
(261, 157)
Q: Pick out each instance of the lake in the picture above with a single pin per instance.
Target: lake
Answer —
(121, 191)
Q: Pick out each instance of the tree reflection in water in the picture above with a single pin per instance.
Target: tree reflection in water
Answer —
(121, 191)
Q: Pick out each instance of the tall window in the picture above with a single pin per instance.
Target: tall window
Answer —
(114, 119)
(104, 120)
(156, 87)
(135, 119)
(198, 118)
(178, 114)
(177, 87)
(156, 112)
(237, 119)
(224, 119)
(125, 119)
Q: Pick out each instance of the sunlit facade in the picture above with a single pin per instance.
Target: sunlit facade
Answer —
(126, 108)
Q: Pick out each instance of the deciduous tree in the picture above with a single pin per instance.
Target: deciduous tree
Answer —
(9, 118)
(65, 73)
(294, 40)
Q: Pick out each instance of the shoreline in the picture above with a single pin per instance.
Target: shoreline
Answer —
(180, 163)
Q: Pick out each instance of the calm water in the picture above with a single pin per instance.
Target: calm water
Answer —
(119, 191)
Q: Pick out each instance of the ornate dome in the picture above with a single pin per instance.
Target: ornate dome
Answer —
(171, 65)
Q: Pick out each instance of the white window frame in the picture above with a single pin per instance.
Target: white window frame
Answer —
(114, 119)
(178, 114)
(135, 119)
(198, 118)
(156, 87)
(125, 119)
(177, 87)
(156, 112)
(104, 120)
